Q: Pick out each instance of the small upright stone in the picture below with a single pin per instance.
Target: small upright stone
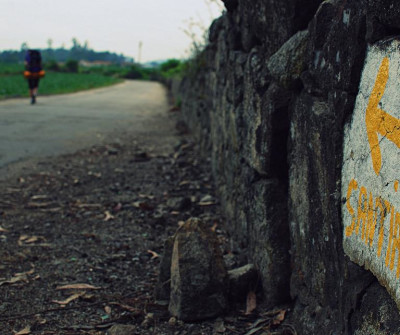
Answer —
(162, 290)
(198, 275)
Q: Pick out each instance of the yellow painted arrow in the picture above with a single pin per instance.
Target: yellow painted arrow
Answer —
(378, 121)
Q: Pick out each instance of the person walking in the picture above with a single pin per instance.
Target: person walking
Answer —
(34, 71)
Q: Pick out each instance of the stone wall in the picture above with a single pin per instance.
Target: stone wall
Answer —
(269, 100)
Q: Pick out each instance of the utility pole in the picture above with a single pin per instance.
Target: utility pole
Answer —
(140, 52)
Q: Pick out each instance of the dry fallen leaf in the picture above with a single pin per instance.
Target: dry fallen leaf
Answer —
(32, 239)
(109, 216)
(117, 207)
(68, 300)
(142, 205)
(87, 296)
(251, 302)
(89, 235)
(95, 174)
(2, 230)
(25, 331)
(219, 326)
(40, 321)
(88, 205)
(12, 190)
(78, 287)
(19, 274)
(146, 196)
(254, 330)
(279, 318)
(25, 239)
(38, 204)
(14, 280)
(18, 277)
(39, 197)
(127, 307)
(153, 253)
(51, 210)
(206, 203)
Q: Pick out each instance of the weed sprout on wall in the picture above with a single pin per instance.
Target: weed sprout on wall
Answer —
(197, 28)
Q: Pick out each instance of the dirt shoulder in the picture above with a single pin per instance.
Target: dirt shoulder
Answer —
(99, 217)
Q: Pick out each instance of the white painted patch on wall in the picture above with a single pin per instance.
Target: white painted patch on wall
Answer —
(371, 173)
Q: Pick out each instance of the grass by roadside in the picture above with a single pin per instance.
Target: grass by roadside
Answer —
(10, 68)
(15, 85)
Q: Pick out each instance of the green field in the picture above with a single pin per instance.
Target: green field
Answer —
(13, 84)
(66, 79)
(11, 68)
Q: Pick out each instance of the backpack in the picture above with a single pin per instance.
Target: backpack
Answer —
(35, 60)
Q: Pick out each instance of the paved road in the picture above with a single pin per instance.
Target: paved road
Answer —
(65, 123)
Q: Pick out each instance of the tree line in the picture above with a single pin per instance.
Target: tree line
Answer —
(77, 52)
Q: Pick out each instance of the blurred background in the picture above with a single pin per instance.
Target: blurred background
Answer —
(86, 44)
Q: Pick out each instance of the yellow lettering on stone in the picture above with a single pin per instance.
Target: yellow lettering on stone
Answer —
(370, 211)
(352, 187)
(377, 120)
(371, 221)
(362, 210)
(397, 244)
(384, 212)
(391, 236)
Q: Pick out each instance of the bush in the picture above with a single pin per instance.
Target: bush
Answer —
(170, 64)
(172, 68)
(135, 72)
(72, 66)
(52, 65)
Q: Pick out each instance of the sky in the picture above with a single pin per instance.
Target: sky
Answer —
(108, 25)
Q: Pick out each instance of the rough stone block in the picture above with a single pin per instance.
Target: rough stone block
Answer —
(376, 313)
(287, 64)
(269, 239)
(387, 12)
(272, 22)
(336, 48)
(198, 274)
(314, 218)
